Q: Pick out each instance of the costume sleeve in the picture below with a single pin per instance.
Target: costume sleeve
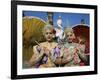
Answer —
(67, 56)
(53, 58)
(82, 54)
(67, 59)
(36, 56)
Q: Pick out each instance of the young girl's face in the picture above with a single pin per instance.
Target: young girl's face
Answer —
(70, 37)
(49, 35)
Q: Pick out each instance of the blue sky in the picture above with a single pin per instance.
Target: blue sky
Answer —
(68, 19)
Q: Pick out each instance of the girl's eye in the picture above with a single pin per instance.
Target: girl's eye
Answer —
(69, 35)
(48, 33)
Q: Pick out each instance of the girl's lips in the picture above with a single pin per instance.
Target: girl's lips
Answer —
(49, 38)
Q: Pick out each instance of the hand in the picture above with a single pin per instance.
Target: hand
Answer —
(46, 51)
(75, 50)
(58, 61)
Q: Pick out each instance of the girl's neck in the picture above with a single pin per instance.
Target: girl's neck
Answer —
(49, 41)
